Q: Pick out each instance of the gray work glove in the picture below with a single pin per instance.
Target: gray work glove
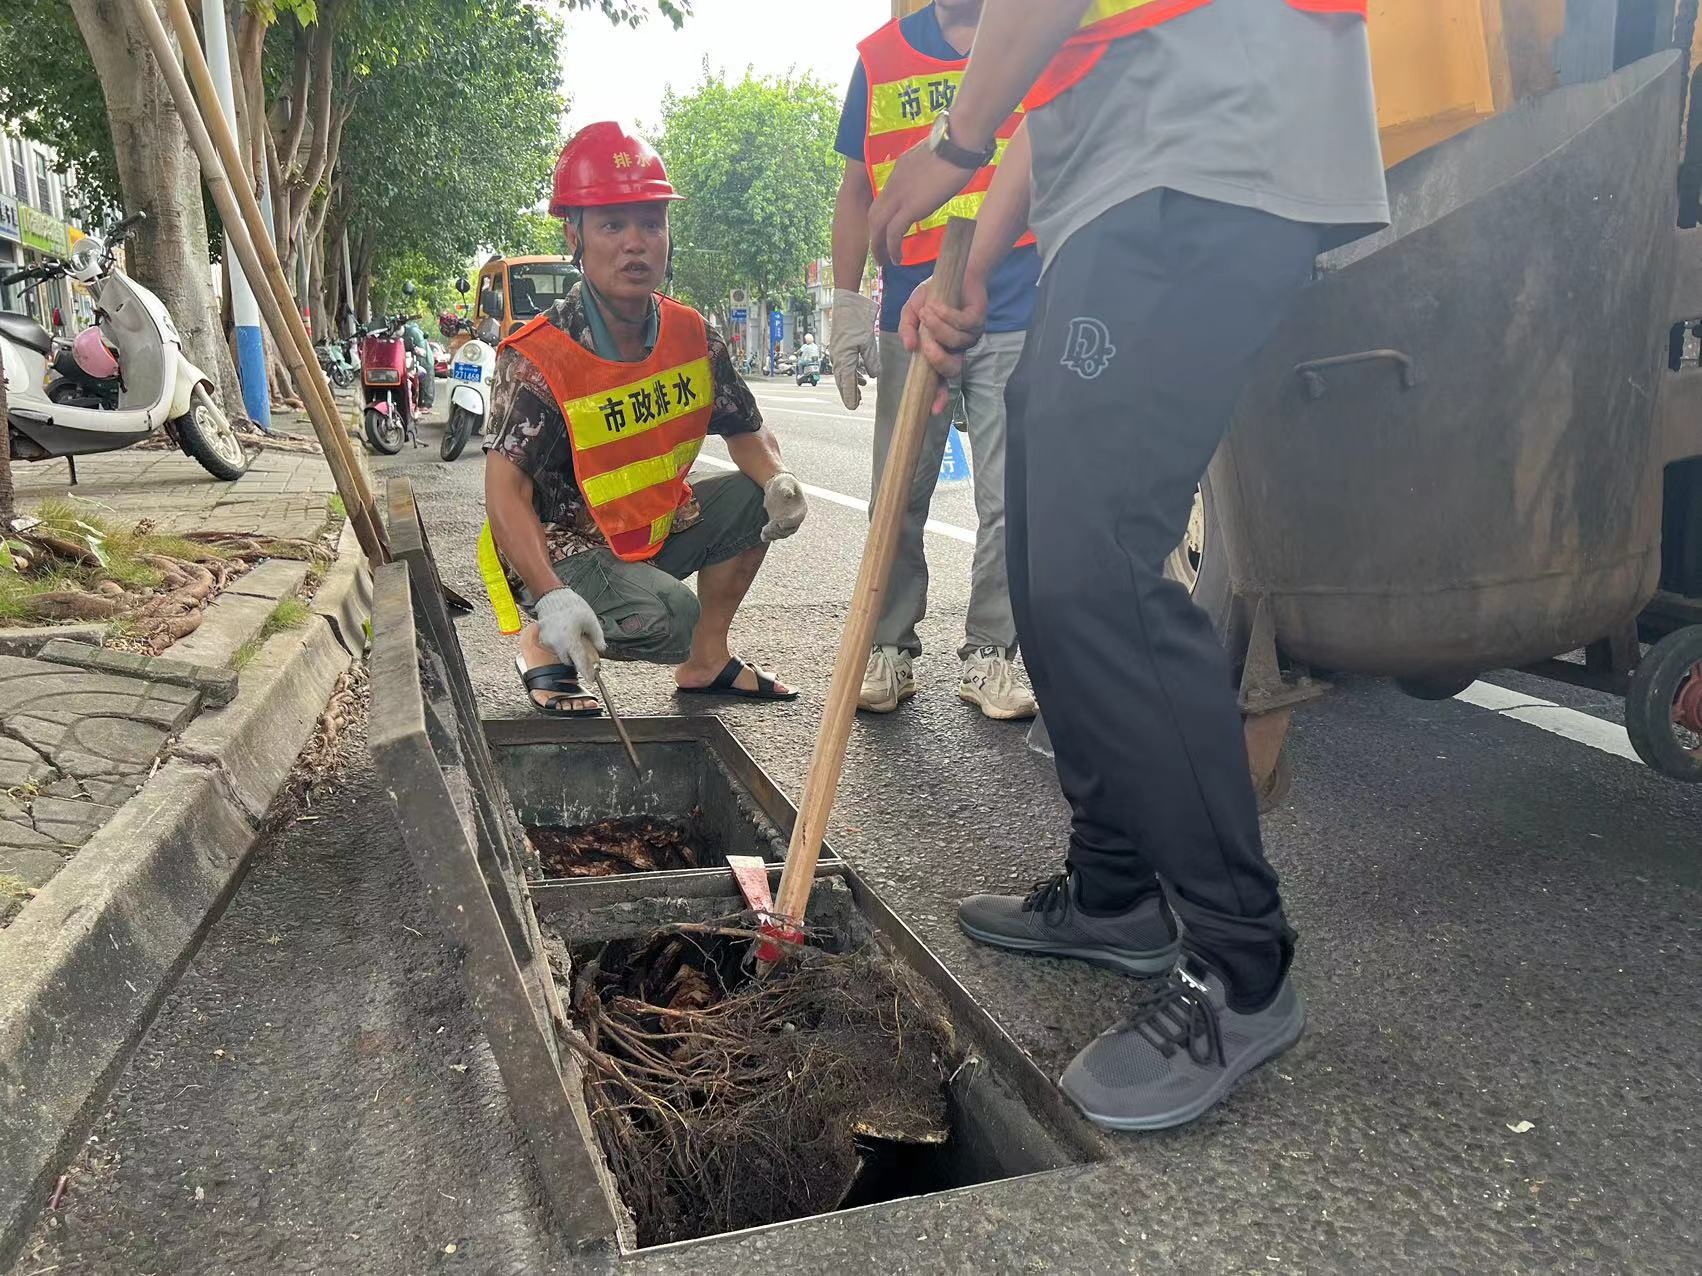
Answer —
(855, 346)
(570, 628)
(783, 500)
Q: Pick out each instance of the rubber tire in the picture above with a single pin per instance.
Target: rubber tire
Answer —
(373, 423)
(198, 441)
(1439, 686)
(1648, 704)
(342, 377)
(456, 433)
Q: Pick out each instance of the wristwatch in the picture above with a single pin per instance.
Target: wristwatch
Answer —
(940, 143)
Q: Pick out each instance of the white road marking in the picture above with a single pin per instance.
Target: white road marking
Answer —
(948, 530)
(1608, 737)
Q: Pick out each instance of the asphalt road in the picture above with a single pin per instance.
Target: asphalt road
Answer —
(1498, 927)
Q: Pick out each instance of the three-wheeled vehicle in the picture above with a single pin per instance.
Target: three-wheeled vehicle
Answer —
(513, 290)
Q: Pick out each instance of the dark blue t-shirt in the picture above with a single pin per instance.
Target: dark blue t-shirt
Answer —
(1010, 292)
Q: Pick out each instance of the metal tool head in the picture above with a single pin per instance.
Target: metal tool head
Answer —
(614, 717)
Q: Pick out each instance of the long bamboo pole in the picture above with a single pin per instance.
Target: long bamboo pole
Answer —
(304, 369)
(822, 783)
(231, 156)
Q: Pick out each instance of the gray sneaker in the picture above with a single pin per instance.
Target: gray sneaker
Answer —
(1049, 920)
(1180, 1052)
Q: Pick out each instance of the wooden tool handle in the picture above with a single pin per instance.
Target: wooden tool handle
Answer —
(822, 784)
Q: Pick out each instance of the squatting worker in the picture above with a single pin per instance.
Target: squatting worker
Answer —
(600, 407)
(905, 76)
(1189, 160)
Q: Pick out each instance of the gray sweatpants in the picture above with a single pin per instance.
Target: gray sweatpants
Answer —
(986, 369)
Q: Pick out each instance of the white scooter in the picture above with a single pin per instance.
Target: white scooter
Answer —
(471, 367)
(160, 388)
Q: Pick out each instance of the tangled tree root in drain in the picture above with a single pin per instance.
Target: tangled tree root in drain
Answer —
(724, 1102)
(629, 844)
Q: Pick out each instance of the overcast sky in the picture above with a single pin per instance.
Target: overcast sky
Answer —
(620, 73)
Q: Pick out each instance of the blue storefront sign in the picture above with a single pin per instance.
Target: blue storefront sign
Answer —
(9, 218)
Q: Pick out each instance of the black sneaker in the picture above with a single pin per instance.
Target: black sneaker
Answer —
(1049, 920)
(1180, 1052)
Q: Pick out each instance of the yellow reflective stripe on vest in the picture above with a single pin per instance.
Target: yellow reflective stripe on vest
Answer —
(1100, 10)
(642, 406)
(883, 172)
(496, 583)
(652, 471)
(968, 205)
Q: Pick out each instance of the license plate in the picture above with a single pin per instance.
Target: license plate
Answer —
(466, 371)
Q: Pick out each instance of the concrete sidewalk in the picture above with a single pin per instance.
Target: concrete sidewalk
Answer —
(284, 494)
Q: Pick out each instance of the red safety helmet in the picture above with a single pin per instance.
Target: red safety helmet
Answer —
(607, 163)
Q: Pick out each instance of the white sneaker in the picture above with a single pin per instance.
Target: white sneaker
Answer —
(888, 681)
(990, 681)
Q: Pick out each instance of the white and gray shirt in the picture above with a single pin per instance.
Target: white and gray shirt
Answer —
(1247, 102)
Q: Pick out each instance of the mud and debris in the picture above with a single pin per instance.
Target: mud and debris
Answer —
(627, 844)
(722, 1101)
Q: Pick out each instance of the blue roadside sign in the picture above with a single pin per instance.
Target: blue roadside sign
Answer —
(776, 325)
(739, 317)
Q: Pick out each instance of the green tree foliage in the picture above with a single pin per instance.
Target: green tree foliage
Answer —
(456, 126)
(534, 235)
(755, 161)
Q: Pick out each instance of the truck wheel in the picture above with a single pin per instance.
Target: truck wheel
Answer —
(206, 434)
(1663, 706)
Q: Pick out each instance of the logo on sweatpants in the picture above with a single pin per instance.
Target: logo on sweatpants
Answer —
(1088, 348)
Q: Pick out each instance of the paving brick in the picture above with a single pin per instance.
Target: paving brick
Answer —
(35, 865)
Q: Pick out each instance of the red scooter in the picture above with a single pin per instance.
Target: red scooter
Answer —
(387, 387)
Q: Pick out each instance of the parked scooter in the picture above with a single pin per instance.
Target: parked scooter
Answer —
(156, 386)
(387, 376)
(334, 359)
(470, 379)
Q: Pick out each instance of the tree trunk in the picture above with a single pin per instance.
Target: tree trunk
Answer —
(159, 175)
(8, 499)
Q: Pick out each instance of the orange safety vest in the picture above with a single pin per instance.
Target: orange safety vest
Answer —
(1110, 20)
(633, 429)
(907, 92)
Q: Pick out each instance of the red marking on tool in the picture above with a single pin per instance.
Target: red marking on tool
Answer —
(752, 876)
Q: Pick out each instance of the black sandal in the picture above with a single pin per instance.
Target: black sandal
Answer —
(559, 682)
(724, 684)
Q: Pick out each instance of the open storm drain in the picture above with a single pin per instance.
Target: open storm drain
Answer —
(720, 1101)
(627, 844)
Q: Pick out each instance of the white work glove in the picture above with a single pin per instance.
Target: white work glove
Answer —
(570, 628)
(855, 347)
(783, 500)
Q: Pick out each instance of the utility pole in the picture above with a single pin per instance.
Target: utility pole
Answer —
(245, 310)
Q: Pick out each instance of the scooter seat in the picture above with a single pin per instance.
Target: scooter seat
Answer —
(25, 331)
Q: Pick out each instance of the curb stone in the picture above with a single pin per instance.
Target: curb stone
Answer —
(344, 596)
(85, 965)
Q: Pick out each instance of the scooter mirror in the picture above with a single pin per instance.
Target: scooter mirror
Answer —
(462, 286)
(408, 289)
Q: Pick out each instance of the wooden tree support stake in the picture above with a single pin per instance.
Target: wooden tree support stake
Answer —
(245, 230)
(822, 784)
